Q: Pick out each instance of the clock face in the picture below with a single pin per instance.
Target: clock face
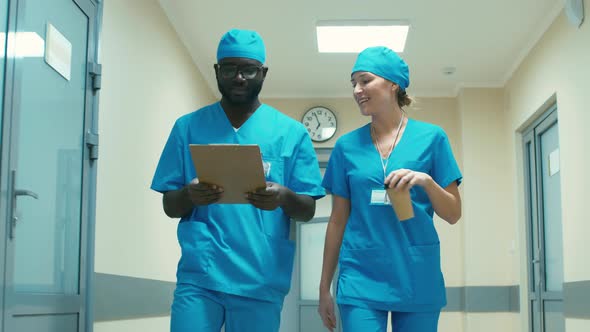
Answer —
(320, 123)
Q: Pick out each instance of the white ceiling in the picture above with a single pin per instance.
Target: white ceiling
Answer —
(484, 40)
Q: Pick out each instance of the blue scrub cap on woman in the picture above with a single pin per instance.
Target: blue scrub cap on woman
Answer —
(383, 62)
(241, 44)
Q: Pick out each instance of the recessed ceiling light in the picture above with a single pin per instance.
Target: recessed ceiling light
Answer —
(353, 37)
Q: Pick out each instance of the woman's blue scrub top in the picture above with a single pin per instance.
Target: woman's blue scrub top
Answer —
(237, 248)
(386, 264)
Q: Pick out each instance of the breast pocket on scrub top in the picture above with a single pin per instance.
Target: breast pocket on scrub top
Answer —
(274, 222)
(415, 165)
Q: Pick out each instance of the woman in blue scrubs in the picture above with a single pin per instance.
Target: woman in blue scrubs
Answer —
(387, 265)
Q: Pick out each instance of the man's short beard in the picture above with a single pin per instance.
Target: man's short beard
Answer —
(249, 98)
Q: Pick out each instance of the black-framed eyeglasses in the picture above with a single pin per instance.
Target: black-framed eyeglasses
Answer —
(227, 71)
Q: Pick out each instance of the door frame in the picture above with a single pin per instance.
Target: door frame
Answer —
(5, 146)
(313, 303)
(534, 215)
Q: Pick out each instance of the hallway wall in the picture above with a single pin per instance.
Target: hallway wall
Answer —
(557, 70)
(149, 80)
(490, 233)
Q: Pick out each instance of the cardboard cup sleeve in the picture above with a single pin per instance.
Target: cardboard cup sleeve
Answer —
(402, 204)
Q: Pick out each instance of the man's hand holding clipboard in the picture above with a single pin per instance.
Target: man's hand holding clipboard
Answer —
(229, 174)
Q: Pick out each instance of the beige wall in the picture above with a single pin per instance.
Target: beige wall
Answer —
(148, 81)
(490, 232)
(577, 325)
(489, 229)
(345, 109)
(558, 66)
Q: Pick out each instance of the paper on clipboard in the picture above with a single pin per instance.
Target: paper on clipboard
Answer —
(236, 168)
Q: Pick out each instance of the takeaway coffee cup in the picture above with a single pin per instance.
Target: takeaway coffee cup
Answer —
(402, 204)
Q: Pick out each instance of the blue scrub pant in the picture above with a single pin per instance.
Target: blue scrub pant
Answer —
(197, 309)
(370, 320)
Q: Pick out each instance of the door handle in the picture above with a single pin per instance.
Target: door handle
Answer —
(15, 194)
(20, 192)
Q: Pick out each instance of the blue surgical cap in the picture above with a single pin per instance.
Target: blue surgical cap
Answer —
(383, 62)
(241, 44)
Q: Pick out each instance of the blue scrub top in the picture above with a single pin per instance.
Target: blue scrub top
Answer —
(237, 248)
(386, 264)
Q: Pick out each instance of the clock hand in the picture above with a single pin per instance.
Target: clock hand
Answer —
(316, 117)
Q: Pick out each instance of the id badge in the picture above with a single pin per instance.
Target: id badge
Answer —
(379, 197)
(266, 167)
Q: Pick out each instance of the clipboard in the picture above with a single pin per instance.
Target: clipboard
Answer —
(236, 168)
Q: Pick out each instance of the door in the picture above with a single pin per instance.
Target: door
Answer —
(310, 247)
(48, 164)
(545, 242)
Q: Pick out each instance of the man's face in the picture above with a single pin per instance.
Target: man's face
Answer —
(240, 79)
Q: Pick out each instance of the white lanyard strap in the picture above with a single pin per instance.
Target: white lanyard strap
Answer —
(384, 164)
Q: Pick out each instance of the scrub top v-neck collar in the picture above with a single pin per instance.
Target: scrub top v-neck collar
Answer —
(244, 125)
(396, 148)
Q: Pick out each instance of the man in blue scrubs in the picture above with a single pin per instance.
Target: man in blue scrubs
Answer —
(237, 259)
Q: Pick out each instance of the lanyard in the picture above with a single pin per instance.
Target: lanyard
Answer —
(378, 146)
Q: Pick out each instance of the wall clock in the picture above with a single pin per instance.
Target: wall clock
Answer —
(320, 123)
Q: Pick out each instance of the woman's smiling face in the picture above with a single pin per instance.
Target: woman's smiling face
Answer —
(373, 93)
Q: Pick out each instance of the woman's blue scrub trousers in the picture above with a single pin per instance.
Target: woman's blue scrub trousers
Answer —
(355, 319)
